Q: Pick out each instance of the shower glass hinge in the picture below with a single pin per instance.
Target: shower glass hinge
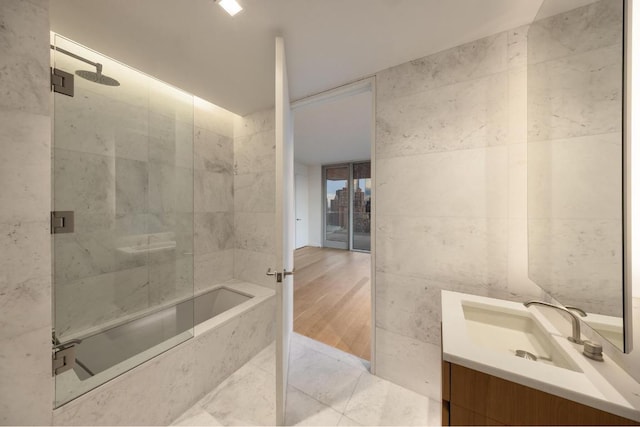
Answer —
(64, 358)
(62, 222)
(62, 82)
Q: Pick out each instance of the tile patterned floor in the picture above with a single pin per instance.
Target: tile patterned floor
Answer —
(326, 387)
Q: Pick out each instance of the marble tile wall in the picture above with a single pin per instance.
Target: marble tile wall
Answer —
(214, 239)
(575, 169)
(25, 173)
(450, 195)
(157, 392)
(254, 202)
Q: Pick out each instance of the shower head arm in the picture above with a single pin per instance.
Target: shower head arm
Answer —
(79, 58)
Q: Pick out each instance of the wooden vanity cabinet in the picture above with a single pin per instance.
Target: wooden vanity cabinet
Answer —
(470, 397)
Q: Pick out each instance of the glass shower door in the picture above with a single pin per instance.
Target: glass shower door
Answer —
(123, 218)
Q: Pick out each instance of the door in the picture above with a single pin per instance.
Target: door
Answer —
(284, 229)
(302, 211)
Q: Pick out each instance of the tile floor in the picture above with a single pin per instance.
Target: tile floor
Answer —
(326, 387)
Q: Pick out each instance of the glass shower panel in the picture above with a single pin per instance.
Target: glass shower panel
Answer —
(362, 206)
(123, 164)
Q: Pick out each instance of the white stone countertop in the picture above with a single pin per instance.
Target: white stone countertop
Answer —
(602, 385)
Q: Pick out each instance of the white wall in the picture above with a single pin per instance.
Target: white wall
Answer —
(315, 205)
(301, 204)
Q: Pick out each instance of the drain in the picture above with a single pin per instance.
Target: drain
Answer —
(526, 355)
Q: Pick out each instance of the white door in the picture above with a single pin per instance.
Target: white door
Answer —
(302, 210)
(285, 230)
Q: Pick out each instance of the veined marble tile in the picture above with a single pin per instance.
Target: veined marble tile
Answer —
(465, 115)
(25, 166)
(576, 177)
(564, 34)
(245, 398)
(212, 268)
(462, 63)
(213, 152)
(571, 258)
(576, 95)
(266, 359)
(324, 378)
(25, 366)
(213, 232)
(254, 123)
(409, 306)
(254, 231)
(196, 417)
(465, 183)
(213, 118)
(170, 140)
(251, 266)
(171, 188)
(517, 181)
(213, 191)
(132, 398)
(171, 280)
(222, 351)
(409, 363)
(303, 410)
(25, 278)
(170, 101)
(346, 421)
(301, 343)
(24, 36)
(518, 105)
(255, 153)
(432, 248)
(132, 186)
(255, 192)
(379, 402)
(517, 47)
(93, 301)
(82, 255)
(84, 183)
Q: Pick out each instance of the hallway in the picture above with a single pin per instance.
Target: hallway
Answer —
(332, 298)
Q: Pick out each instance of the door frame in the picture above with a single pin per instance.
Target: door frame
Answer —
(367, 84)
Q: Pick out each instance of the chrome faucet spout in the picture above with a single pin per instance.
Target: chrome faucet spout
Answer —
(575, 322)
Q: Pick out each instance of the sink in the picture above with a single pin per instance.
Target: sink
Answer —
(508, 331)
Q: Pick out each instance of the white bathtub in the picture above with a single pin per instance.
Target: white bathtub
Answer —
(111, 353)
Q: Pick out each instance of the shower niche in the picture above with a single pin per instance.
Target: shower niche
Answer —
(123, 169)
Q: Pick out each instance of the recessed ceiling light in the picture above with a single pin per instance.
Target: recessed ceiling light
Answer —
(231, 6)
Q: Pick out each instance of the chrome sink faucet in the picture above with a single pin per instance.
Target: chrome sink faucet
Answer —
(575, 322)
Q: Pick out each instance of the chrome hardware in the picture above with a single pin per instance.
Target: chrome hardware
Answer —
(578, 310)
(593, 350)
(278, 275)
(64, 357)
(62, 82)
(62, 222)
(575, 322)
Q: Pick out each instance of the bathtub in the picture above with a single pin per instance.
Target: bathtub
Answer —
(132, 344)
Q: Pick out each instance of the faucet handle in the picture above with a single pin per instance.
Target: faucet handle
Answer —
(593, 350)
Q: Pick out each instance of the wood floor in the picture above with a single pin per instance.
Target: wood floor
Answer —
(332, 298)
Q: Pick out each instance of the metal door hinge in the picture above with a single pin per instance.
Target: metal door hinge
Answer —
(62, 82)
(62, 222)
(63, 359)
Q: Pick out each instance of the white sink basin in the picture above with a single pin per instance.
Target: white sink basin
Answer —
(506, 331)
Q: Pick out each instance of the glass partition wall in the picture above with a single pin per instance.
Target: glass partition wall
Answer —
(123, 218)
(347, 206)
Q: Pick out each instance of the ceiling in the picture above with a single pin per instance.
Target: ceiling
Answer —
(196, 46)
(334, 131)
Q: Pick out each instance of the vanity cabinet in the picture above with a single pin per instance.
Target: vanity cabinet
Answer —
(470, 397)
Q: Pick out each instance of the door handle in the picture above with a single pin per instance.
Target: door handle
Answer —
(279, 276)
